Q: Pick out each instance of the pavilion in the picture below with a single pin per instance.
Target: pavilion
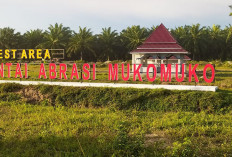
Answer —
(160, 48)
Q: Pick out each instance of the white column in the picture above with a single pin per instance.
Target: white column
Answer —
(133, 59)
(161, 61)
(156, 62)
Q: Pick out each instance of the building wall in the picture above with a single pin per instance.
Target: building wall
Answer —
(136, 59)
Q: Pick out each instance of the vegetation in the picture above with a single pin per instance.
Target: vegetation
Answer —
(108, 40)
(55, 121)
(204, 43)
(56, 37)
(80, 42)
(230, 8)
(120, 98)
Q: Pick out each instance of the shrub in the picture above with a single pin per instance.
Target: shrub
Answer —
(9, 97)
(185, 149)
(128, 98)
(10, 87)
(139, 99)
(125, 145)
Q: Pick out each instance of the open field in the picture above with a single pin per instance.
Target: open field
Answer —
(69, 121)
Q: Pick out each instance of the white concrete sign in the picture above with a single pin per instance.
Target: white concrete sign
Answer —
(116, 85)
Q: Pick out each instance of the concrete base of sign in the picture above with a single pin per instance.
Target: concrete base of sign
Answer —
(116, 85)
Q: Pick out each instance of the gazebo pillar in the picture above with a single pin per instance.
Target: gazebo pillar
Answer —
(161, 61)
(156, 62)
(162, 57)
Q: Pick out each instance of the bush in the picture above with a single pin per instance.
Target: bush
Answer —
(10, 87)
(128, 98)
(1, 136)
(9, 97)
(125, 145)
(185, 149)
(139, 99)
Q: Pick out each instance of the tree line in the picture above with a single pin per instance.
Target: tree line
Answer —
(204, 43)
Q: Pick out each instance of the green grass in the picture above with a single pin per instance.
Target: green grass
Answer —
(33, 130)
(119, 98)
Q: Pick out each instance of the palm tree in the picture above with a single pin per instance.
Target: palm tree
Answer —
(108, 40)
(215, 32)
(134, 36)
(228, 30)
(181, 34)
(195, 39)
(81, 42)
(9, 39)
(56, 37)
(216, 41)
(150, 30)
(228, 42)
(33, 38)
(230, 8)
(192, 38)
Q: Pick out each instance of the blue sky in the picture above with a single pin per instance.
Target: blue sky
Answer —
(95, 14)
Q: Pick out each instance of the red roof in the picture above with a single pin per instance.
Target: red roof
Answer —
(152, 57)
(172, 57)
(160, 41)
(186, 57)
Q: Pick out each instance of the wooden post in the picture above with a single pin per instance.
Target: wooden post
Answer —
(81, 72)
(214, 66)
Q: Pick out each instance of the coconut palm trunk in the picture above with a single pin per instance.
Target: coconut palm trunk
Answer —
(81, 56)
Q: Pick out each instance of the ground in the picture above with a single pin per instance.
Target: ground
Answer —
(31, 130)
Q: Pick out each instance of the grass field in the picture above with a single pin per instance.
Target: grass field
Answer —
(32, 130)
(64, 121)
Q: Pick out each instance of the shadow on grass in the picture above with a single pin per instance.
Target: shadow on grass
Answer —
(225, 91)
(223, 73)
(56, 146)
